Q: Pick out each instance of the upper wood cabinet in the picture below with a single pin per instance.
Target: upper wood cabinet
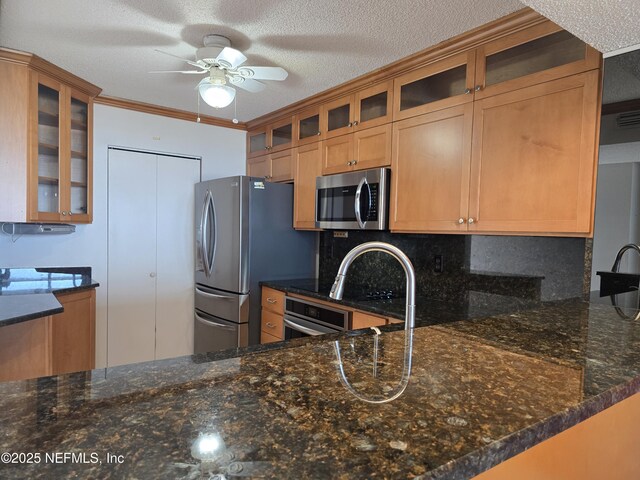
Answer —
(47, 114)
(435, 86)
(535, 55)
(308, 126)
(274, 167)
(307, 164)
(534, 158)
(361, 150)
(364, 109)
(277, 136)
(430, 171)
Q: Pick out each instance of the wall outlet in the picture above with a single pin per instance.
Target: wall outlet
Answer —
(340, 234)
(438, 263)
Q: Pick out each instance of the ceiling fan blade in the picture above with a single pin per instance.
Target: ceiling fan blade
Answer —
(192, 72)
(230, 58)
(263, 73)
(190, 62)
(248, 84)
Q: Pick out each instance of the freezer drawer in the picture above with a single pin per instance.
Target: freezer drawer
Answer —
(228, 306)
(213, 334)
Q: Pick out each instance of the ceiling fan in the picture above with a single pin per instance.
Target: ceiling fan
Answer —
(224, 66)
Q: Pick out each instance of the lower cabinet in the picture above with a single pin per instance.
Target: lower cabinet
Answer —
(52, 345)
(272, 322)
(365, 320)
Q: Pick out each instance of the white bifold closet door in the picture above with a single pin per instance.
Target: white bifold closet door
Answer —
(150, 258)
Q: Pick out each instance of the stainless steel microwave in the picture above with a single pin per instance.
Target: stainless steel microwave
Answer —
(354, 200)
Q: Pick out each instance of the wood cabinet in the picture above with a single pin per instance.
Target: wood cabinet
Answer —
(430, 171)
(307, 124)
(364, 320)
(53, 345)
(307, 164)
(47, 114)
(272, 322)
(73, 333)
(370, 148)
(274, 137)
(274, 167)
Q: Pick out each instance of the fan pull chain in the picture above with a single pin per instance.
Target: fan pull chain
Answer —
(198, 95)
(235, 109)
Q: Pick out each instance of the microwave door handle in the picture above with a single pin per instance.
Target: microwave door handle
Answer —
(300, 328)
(363, 181)
(203, 234)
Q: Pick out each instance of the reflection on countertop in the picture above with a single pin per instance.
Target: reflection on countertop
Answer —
(480, 391)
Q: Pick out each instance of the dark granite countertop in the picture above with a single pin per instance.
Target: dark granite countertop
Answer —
(480, 392)
(27, 293)
(429, 311)
(16, 309)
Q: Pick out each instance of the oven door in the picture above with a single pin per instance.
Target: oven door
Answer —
(356, 200)
(295, 327)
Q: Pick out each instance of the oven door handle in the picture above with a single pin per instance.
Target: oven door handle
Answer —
(300, 328)
(363, 182)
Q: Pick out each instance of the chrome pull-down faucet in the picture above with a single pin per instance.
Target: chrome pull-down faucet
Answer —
(336, 293)
(629, 246)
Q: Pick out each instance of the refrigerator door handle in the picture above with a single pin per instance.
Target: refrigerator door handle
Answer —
(204, 226)
(214, 241)
(212, 295)
(213, 324)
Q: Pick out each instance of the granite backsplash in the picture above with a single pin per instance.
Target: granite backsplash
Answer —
(529, 267)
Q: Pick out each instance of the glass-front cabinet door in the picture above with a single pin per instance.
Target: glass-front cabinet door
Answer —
(282, 135)
(435, 86)
(337, 117)
(257, 142)
(373, 106)
(536, 55)
(80, 171)
(47, 149)
(307, 124)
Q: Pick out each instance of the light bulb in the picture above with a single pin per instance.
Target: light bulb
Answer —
(218, 96)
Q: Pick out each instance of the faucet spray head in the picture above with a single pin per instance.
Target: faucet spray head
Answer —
(337, 289)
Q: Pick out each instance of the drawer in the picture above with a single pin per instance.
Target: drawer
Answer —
(365, 320)
(273, 300)
(268, 338)
(272, 324)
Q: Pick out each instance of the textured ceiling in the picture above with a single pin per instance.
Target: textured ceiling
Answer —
(607, 25)
(621, 78)
(322, 44)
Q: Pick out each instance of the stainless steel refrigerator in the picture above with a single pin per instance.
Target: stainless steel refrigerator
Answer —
(244, 234)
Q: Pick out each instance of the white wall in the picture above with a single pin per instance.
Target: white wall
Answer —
(223, 154)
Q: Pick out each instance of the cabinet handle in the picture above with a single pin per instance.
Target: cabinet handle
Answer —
(467, 91)
(270, 325)
(461, 220)
(478, 88)
(354, 162)
(355, 122)
(348, 164)
(64, 213)
(350, 124)
(271, 300)
(152, 274)
(318, 134)
(471, 220)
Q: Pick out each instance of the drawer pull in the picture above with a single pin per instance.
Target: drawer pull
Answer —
(271, 300)
(270, 325)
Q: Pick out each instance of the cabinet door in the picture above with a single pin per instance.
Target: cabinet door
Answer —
(430, 164)
(49, 146)
(79, 172)
(73, 333)
(282, 135)
(337, 155)
(535, 55)
(259, 167)
(272, 324)
(534, 158)
(372, 147)
(281, 166)
(337, 117)
(436, 86)
(307, 126)
(308, 166)
(257, 142)
(373, 106)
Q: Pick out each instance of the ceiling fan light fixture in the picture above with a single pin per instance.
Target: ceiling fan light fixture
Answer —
(217, 96)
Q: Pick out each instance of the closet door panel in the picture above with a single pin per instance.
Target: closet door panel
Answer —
(175, 256)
